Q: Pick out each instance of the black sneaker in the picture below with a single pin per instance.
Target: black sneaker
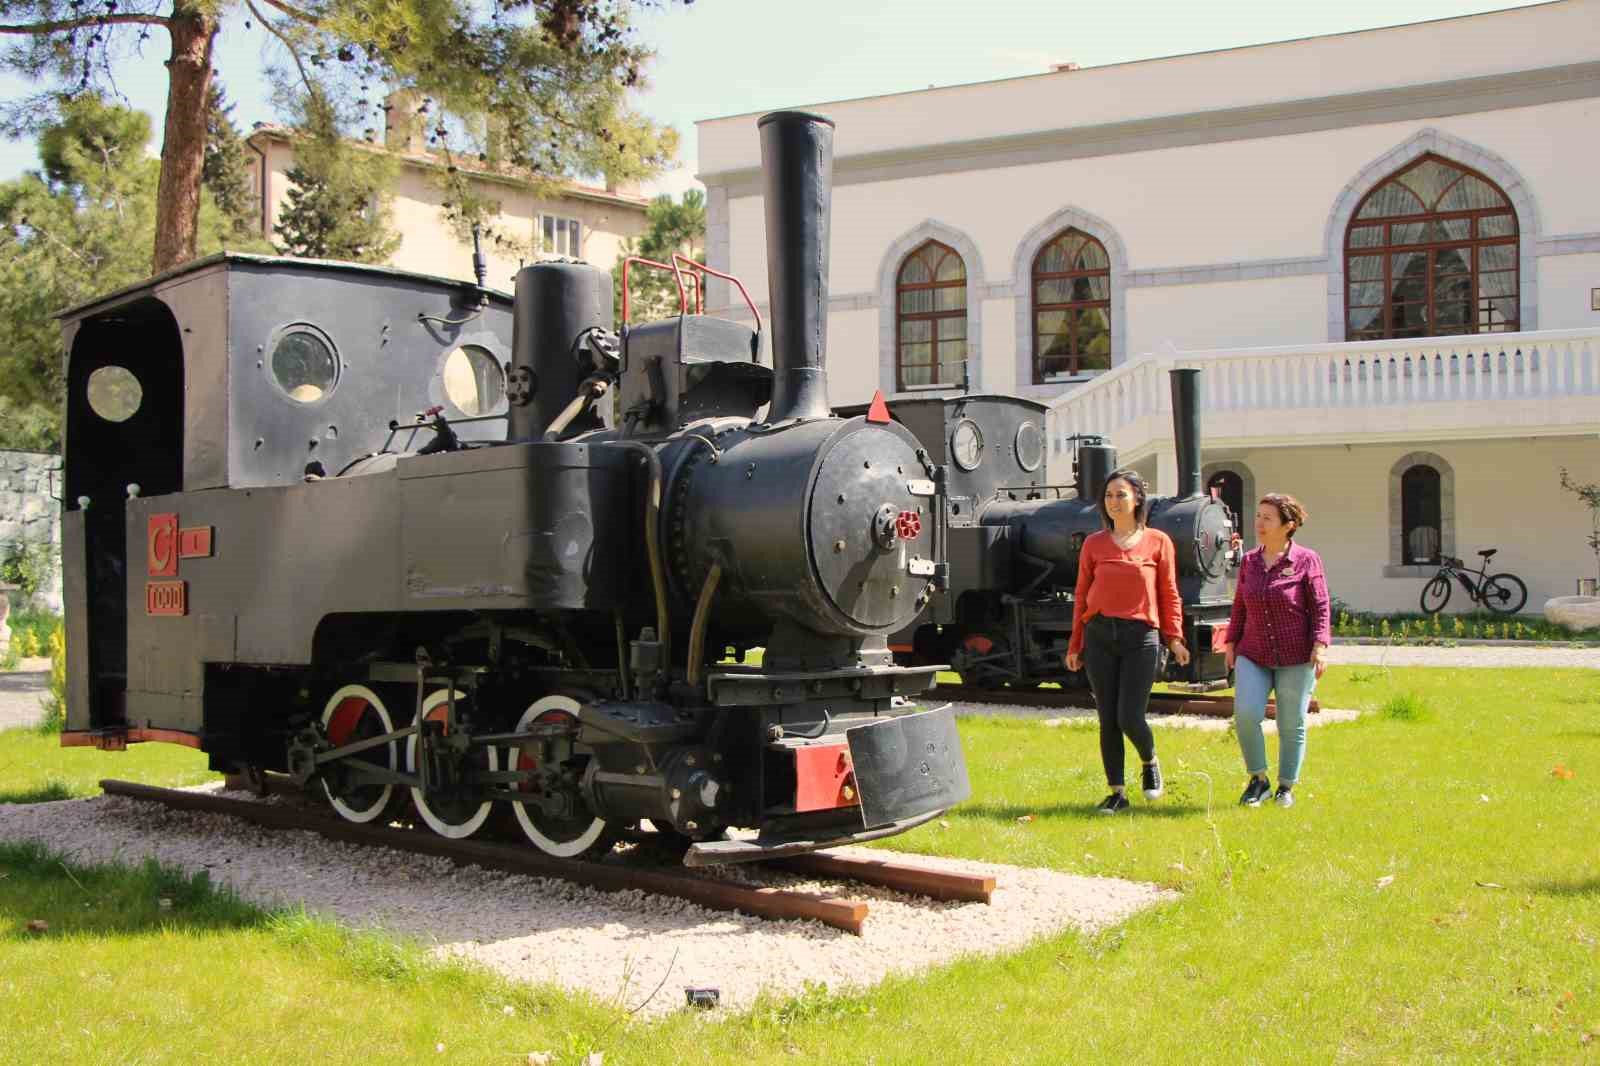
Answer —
(1255, 792)
(1113, 804)
(1151, 780)
(1284, 797)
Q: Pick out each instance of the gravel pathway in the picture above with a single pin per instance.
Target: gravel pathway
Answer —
(617, 946)
(21, 691)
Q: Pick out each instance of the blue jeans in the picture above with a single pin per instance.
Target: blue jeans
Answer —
(1294, 685)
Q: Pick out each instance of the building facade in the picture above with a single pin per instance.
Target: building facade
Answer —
(1383, 247)
(582, 222)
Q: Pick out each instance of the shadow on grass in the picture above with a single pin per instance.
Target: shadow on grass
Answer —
(111, 900)
(49, 792)
(1085, 811)
(1573, 888)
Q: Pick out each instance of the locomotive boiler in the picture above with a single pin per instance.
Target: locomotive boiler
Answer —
(1015, 541)
(530, 602)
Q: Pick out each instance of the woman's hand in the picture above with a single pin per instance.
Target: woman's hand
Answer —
(1229, 654)
(1179, 650)
(1319, 658)
(1074, 661)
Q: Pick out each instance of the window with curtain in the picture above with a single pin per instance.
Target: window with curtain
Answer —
(1071, 307)
(1420, 511)
(1431, 251)
(931, 318)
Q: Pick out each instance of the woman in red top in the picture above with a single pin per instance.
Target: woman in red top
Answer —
(1127, 594)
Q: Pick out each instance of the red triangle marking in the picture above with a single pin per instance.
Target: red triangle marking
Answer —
(879, 411)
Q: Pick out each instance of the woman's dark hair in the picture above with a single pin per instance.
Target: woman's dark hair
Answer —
(1141, 501)
(1289, 510)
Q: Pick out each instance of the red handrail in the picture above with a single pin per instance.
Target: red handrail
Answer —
(703, 269)
(683, 300)
(697, 272)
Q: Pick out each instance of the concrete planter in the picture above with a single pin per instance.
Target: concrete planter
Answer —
(1576, 613)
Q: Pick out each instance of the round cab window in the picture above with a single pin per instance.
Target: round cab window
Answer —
(1030, 446)
(114, 393)
(304, 364)
(473, 380)
(966, 444)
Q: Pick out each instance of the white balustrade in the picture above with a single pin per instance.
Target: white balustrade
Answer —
(1130, 404)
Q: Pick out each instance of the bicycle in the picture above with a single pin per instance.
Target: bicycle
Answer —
(1503, 593)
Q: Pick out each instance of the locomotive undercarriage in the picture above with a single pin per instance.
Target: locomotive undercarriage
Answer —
(574, 756)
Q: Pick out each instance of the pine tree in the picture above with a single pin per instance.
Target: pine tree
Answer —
(675, 226)
(225, 171)
(561, 70)
(337, 203)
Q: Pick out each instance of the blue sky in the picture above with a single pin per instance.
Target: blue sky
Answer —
(721, 57)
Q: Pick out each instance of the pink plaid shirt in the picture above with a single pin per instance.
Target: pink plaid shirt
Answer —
(1279, 614)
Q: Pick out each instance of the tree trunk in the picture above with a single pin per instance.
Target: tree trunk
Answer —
(183, 146)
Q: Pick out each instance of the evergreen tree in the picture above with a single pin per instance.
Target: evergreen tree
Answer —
(560, 69)
(675, 226)
(75, 229)
(337, 203)
(225, 171)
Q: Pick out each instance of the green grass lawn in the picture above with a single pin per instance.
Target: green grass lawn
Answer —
(1434, 896)
(34, 767)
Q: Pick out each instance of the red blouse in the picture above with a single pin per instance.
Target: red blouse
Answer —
(1140, 583)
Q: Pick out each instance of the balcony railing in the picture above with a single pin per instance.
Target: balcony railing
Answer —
(1320, 390)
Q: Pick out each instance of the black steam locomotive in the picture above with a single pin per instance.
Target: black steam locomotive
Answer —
(1014, 541)
(525, 596)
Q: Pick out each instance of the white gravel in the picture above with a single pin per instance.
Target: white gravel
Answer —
(617, 946)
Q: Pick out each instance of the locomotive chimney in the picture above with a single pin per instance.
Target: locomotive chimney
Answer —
(797, 160)
(1186, 430)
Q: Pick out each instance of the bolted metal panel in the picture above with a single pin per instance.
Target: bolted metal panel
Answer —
(908, 766)
(797, 160)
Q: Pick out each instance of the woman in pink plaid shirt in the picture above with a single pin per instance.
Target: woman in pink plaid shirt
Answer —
(1277, 641)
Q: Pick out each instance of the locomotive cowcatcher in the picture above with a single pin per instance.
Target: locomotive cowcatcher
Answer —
(333, 522)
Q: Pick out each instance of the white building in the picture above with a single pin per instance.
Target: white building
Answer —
(1383, 247)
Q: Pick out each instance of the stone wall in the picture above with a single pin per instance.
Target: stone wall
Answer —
(29, 512)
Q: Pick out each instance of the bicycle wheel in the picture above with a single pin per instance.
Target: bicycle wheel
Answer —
(1504, 593)
(1435, 594)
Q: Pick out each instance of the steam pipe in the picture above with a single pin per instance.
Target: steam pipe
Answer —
(1186, 429)
(797, 161)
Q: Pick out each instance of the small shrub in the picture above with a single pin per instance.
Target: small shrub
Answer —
(1406, 707)
(29, 567)
(25, 643)
(10, 660)
(55, 704)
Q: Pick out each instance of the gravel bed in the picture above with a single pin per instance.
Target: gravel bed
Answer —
(617, 946)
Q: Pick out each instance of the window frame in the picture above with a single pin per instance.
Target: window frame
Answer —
(902, 287)
(1417, 511)
(1472, 245)
(559, 223)
(1073, 307)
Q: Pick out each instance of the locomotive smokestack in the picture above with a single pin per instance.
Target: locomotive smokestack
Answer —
(1186, 430)
(797, 160)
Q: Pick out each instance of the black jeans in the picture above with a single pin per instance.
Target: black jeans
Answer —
(1121, 657)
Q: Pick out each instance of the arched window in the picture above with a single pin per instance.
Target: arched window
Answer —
(1431, 251)
(1071, 307)
(1420, 514)
(931, 297)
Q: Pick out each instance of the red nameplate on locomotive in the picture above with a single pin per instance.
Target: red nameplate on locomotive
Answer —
(166, 597)
(162, 546)
(194, 542)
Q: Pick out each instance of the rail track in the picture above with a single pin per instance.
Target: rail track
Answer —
(1199, 704)
(763, 902)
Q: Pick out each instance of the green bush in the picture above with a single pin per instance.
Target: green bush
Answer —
(55, 704)
(1406, 707)
(29, 566)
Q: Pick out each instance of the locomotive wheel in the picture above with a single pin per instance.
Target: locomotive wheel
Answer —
(353, 713)
(582, 834)
(455, 816)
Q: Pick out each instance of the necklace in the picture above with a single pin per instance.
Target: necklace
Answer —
(1127, 540)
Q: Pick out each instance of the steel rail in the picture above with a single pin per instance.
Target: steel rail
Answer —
(847, 915)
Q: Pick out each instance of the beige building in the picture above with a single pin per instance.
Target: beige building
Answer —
(583, 222)
(1382, 247)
